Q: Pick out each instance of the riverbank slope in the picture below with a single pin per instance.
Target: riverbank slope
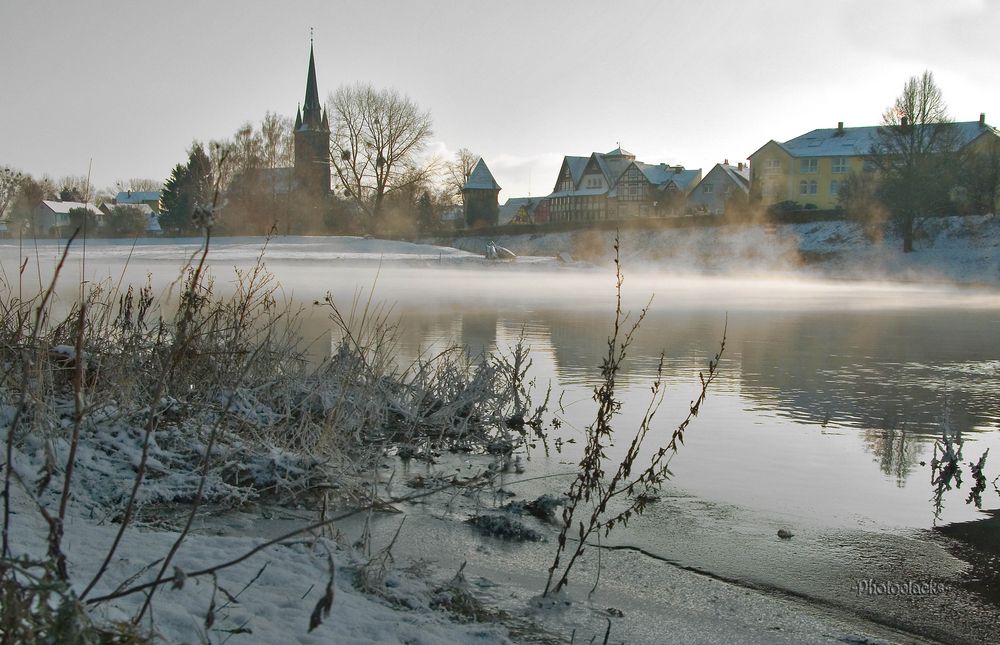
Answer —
(961, 249)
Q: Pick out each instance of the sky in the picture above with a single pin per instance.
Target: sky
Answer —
(123, 87)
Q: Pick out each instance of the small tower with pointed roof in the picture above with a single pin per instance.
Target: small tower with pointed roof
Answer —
(312, 139)
(481, 197)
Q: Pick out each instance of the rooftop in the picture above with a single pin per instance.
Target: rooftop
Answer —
(847, 142)
(481, 178)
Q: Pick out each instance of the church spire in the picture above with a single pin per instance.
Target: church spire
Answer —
(312, 111)
(298, 117)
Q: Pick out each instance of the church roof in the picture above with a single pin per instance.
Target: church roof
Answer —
(312, 110)
(481, 178)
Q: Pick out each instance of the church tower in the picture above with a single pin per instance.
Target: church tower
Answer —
(312, 140)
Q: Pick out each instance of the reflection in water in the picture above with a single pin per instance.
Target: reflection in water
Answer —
(819, 379)
(895, 449)
(868, 370)
(883, 382)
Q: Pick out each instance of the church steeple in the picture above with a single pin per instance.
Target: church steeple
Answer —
(312, 111)
(312, 141)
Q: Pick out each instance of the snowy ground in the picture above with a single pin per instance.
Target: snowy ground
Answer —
(269, 597)
(954, 249)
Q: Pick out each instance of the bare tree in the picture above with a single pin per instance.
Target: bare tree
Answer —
(458, 170)
(10, 184)
(74, 188)
(276, 141)
(267, 145)
(139, 185)
(914, 150)
(376, 140)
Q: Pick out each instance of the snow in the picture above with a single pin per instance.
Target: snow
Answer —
(948, 249)
(276, 590)
(276, 606)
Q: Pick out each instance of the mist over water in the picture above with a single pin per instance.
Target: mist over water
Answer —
(830, 396)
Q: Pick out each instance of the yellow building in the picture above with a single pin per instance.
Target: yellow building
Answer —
(812, 168)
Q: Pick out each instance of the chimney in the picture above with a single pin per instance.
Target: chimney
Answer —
(739, 166)
(982, 119)
(725, 162)
(840, 127)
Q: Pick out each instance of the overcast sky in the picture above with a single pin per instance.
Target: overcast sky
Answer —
(129, 84)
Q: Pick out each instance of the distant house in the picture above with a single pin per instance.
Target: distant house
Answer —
(52, 217)
(150, 198)
(715, 190)
(453, 218)
(812, 168)
(480, 197)
(152, 217)
(614, 186)
(518, 210)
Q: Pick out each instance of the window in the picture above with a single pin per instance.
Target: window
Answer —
(838, 165)
(808, 165)
(834, 187)
(773, 166)
(807, 187)
(632, 186)
(812, 187)
(708, 187)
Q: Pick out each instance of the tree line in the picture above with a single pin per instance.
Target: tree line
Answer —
(21, 193)
(384, 180)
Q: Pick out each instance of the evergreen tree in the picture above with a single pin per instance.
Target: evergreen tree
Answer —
(176, 203)
(71, 194)
(425, 213)
(189, 186)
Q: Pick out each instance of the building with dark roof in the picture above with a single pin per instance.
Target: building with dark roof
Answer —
(717, 190)
(812, 168)
(312, 140)
(481, 197)
(614, 186)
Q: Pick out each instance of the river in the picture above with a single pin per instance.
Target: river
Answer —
(832, 401)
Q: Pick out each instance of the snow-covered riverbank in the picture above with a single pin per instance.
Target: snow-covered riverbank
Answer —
(954, 249)
(270, 597)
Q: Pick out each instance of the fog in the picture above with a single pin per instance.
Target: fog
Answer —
(407, 274)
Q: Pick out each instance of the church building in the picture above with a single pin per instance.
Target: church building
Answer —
(296, 200)
(312, 141)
